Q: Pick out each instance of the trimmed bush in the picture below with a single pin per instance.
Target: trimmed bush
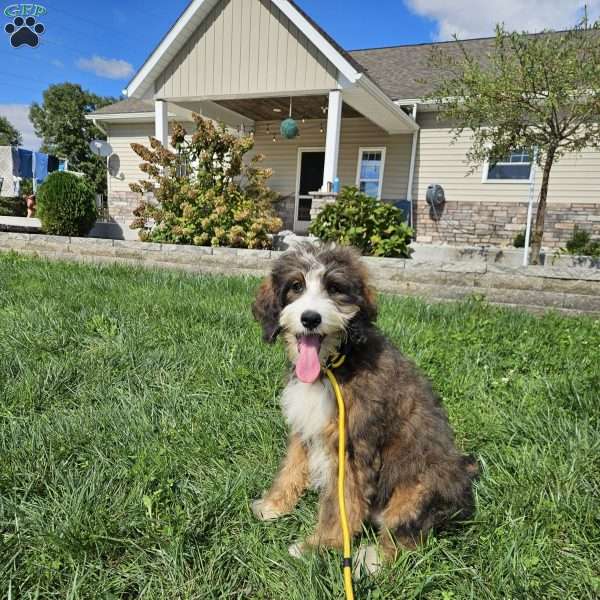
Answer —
(582, 244)
(66, 205)
(12, 207)
(372, 226)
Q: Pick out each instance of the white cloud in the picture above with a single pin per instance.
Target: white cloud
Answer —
(474, 18)
(111, 68)
(58, 63)
(18, 115)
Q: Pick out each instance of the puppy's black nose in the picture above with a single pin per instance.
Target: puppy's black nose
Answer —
(311, 319)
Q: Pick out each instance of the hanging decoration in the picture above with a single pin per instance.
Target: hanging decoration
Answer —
(289, 128)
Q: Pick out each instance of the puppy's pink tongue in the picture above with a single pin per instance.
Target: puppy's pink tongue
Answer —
(308, 367)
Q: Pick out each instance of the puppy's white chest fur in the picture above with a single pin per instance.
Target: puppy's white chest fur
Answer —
(308, 409)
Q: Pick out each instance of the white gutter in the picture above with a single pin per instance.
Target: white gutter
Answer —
(413, 158)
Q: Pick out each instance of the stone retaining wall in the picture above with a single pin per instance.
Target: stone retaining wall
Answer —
(565, 288)
(497, 223)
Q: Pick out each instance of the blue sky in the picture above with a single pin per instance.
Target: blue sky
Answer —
(100, 44)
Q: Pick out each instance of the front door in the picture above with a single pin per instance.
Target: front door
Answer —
(311, 164)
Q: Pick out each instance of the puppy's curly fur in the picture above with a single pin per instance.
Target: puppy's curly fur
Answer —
(404, 472)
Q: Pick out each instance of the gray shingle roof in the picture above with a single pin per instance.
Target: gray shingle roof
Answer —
(132, 105)
(404, 72)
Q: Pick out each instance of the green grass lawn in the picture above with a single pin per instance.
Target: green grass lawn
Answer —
(139, 417)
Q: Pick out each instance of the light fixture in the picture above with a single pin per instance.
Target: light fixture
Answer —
(277, 110)
(289, 127)
(322, 130)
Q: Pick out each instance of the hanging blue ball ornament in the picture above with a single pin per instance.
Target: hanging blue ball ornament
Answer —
(289, 129)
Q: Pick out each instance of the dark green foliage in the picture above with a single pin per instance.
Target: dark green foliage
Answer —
(372, 226)
(26, 188)
(581, 244)
(12, 207)
(519, 239)
(60, 122)
(66, 205)
(9, 135)
(139, 416)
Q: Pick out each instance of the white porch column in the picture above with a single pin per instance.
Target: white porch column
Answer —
(161, 122)
(332, 144)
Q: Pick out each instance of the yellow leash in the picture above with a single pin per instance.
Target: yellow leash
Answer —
(338, 361)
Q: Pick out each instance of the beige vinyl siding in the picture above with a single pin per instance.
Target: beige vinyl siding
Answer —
(282, 155)
(245, 47)
(120, 137)
(575, 178)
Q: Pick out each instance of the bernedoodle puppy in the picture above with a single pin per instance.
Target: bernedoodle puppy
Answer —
(404, 473)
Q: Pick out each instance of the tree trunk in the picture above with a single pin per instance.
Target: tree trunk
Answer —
(538, 231)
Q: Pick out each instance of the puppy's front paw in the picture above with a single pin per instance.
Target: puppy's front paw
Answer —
(297, 550)
(264, 510)
(368, 560)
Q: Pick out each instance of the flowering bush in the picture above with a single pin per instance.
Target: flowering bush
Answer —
(204, 193)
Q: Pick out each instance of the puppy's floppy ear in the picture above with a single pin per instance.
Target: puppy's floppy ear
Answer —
(360, 325)
(370, 303)
(266, 310)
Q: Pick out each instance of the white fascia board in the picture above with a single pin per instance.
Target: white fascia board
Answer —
(323, 45)
(145, 116)
(143, 78)
(372, 102)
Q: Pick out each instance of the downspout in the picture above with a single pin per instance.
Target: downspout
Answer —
(105, 132)
(100, 127)
(413, 160)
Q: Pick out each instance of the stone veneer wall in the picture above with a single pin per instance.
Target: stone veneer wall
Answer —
(494, 223)
(122, 204)
(460, 223)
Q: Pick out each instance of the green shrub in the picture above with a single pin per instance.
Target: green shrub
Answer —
(519, 239)
(66, 205)
(12, 207)
(204, 193)
(372, 226)
(581, 244)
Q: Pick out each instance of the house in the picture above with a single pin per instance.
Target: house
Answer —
(251, 63)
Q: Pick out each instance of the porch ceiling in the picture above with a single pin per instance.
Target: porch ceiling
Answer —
(303, 107)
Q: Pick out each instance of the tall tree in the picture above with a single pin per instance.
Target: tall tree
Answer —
(9, 135)
(536, 92)
(60, 122)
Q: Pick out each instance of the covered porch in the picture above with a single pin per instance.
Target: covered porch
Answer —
(373, 150)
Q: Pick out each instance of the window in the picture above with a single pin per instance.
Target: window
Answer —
(515, 167)
(369, 177)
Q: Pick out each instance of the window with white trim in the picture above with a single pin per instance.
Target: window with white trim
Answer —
(515, 167)
(369, 177)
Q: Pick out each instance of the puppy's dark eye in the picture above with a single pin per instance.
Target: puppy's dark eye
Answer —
(333, 288)
(297, 287)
